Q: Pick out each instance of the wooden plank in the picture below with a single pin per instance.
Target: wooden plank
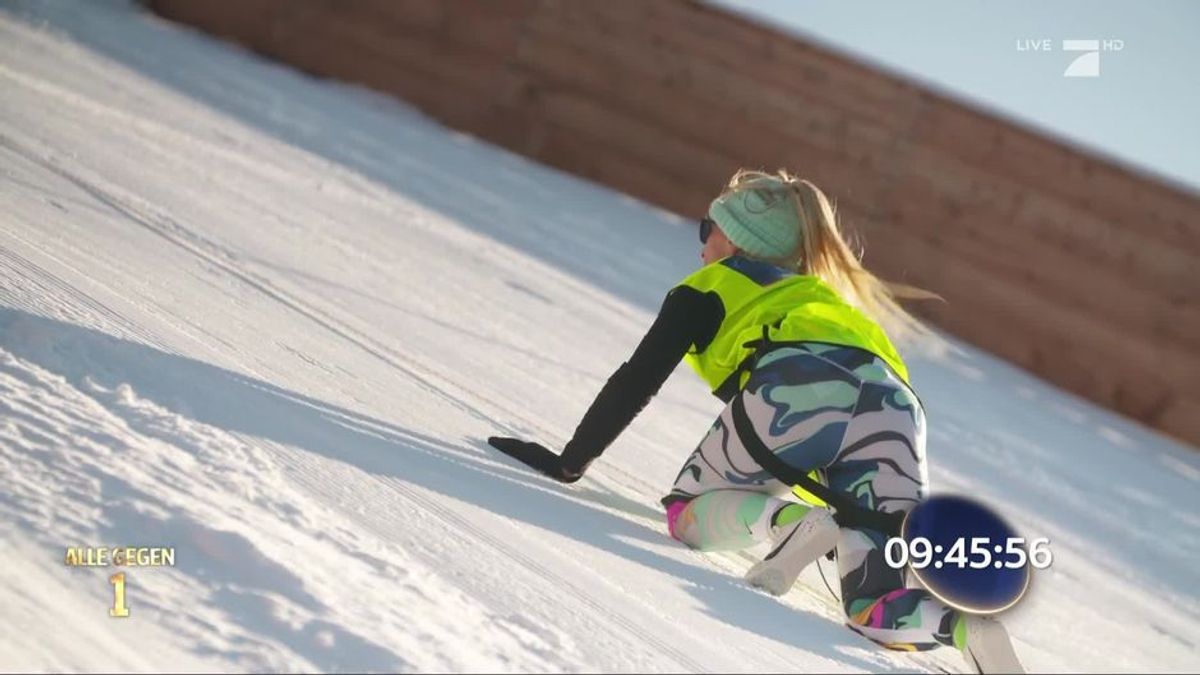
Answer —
(743, 88)
(964, 201)
(564, 146)
(244, 22)
(713, 36)
(1000, 314)
(1054, 168)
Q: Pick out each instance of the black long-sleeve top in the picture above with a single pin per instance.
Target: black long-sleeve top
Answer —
(687, 317)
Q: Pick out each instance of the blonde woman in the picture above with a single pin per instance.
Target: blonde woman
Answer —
(784, 324)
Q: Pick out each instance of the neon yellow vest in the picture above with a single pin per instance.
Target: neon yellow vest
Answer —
(806, 309)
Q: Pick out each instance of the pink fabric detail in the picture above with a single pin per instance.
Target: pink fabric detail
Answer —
(876, 619)
(673, 512)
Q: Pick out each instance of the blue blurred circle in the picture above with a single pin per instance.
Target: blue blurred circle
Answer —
(947, 519)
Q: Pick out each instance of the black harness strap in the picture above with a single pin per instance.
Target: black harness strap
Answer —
(846, 512)
(732, 385)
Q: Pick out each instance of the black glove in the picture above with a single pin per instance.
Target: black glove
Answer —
(538, 457)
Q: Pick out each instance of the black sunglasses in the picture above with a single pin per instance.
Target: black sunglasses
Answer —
(706, 227)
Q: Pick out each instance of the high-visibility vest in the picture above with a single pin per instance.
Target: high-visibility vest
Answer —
(793, 308)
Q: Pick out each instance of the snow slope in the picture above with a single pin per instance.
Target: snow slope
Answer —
(267, 320)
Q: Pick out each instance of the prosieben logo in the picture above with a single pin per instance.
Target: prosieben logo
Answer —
(1086, 64)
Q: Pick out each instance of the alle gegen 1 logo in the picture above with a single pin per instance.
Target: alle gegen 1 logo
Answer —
(1086, 64)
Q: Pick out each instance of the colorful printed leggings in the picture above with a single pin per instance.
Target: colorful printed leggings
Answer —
(840, 410)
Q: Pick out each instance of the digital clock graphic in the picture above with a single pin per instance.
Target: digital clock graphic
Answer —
(966, 554)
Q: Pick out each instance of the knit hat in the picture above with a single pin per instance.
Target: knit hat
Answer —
(759, 218)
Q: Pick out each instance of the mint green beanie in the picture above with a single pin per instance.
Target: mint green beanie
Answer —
(759, 218)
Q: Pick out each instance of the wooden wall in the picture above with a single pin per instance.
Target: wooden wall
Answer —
(1067, 265)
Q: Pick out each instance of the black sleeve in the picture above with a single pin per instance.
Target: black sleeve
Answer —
(687, 317)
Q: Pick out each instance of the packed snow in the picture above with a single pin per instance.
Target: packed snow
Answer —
(267, 320)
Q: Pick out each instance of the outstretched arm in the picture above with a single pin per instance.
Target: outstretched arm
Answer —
(687, 317)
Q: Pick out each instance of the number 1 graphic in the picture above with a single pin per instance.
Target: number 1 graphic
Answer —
(119, 609)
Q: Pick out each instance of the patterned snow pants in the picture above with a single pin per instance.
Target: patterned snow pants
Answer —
(843, 411)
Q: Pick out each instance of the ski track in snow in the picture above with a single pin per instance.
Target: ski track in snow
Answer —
(268, 320)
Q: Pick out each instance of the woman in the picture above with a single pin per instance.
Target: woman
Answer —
(781, 321)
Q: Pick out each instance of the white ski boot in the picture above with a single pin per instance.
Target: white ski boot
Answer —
(989, 648)
(801, 543)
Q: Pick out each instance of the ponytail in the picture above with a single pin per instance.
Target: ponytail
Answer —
(824, 253)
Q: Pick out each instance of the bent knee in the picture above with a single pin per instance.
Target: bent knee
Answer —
(675, 513)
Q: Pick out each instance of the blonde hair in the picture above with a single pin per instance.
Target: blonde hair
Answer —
(825, 253)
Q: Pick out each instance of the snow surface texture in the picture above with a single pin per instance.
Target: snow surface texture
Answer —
(267, 320)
